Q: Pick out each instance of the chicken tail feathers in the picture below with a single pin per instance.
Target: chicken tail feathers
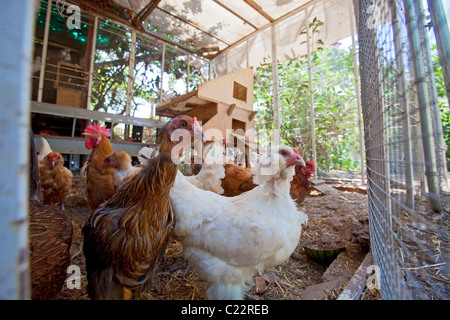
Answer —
(102, 286)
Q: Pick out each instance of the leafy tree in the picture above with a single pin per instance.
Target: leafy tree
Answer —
(442, 98)
(335, 110)
(111, 72)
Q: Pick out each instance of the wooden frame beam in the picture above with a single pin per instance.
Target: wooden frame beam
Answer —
(258, 9)
(236, 14)
(146, 12)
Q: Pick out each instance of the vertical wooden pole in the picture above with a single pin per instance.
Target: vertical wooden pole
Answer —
(130, 80)
(92, 61)
(163, 58)
(358, 95)
(44, 51)
(275, 94)
(311, 95)
(188, 72)
(17, 19)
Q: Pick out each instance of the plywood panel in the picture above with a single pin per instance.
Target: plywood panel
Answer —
(221, 89)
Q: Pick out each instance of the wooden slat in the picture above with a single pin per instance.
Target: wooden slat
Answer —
(258, 9)
(72, 112)
(357, 283)
(166, 104)
(147, 11)
(68, 145)
(236, 14)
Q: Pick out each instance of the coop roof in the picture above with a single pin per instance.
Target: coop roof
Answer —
(234, 33)
(181, 104)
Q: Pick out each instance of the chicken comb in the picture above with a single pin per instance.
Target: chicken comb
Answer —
(53, 155)
(196, 124)
(295, 151)
(310, 164)
(95, 127)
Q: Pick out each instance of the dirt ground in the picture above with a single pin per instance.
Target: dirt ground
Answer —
(337, 219)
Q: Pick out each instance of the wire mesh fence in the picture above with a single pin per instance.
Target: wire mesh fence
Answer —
(405, 150)
(335, 108)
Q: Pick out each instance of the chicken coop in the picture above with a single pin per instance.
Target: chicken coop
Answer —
(360, 87)
(224, 108)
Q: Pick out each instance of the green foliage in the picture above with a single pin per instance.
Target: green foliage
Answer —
(111, 71)
(442, 98)
(335, 110)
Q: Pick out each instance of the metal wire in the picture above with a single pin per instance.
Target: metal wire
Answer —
(409, 221)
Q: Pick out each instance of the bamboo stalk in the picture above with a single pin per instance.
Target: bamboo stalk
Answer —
(404, 107)
(441, 30)
(424, 108)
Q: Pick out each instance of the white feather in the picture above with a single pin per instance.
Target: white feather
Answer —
(228, 240)
(146, 153)
(44, 150)
(212, 171)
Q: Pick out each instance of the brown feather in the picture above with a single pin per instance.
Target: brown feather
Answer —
(56, 181)
(126, 235)
(240, 179)
(49, 237)
(99, 181)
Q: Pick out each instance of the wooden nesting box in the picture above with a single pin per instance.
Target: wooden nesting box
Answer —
(223, 106)
(69, 80)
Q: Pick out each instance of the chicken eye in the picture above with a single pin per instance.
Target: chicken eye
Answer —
(283, 153)
(182, 124)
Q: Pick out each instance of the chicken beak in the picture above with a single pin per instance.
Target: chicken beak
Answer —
(198, 130)
(53, 163)
(299, 160)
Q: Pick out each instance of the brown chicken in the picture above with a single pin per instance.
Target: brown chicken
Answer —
(237, 180)
(56, 180)
(240, 179)
(98, 182)
(300, 185)
(50, 237)
(121, 161)
(125, 237)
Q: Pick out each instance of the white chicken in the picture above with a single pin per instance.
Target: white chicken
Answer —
(212, 172)
(229, 239)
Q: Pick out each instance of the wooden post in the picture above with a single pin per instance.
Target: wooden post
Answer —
(275, 99)
(130, 81)
(44, 51)
(163, 58)
(17, 19)
(358, 96)
(188, 73)
(311, 96)
(92, 61)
